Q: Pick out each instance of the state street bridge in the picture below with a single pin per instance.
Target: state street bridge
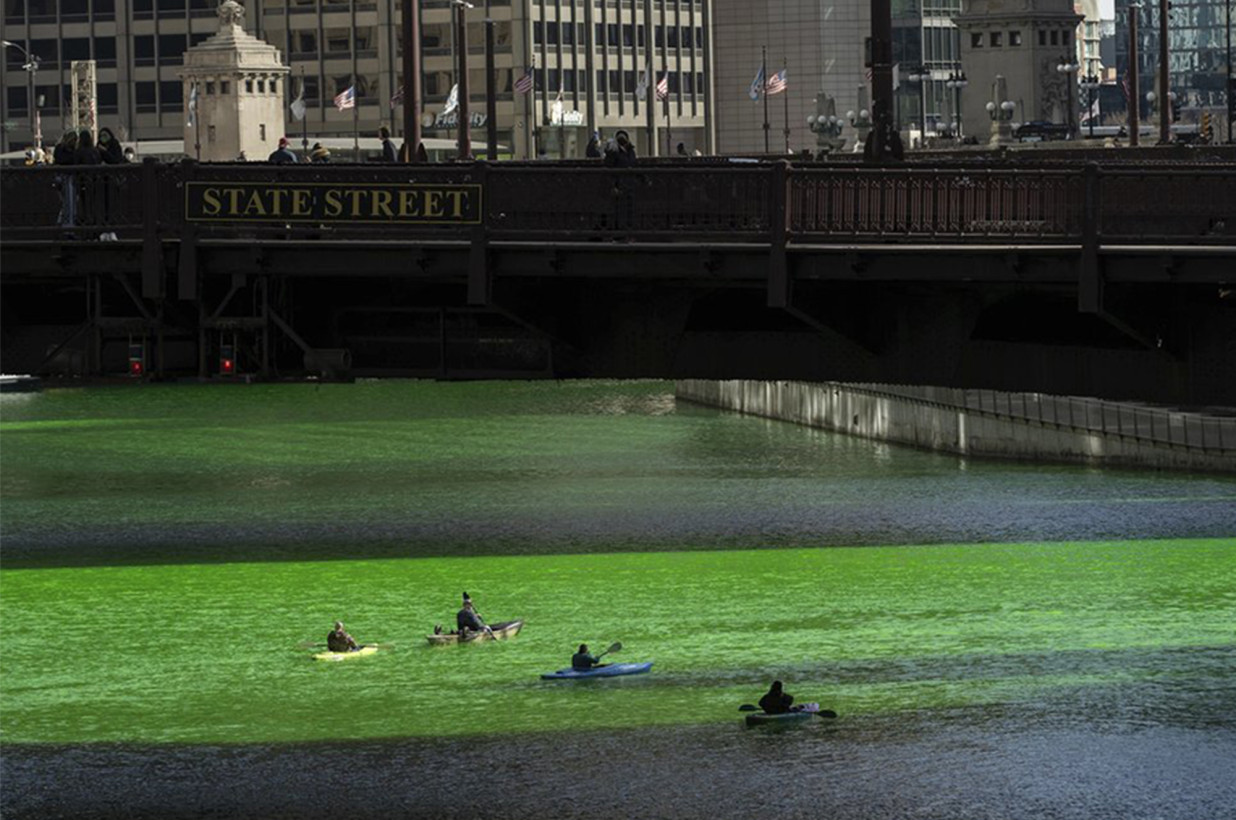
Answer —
(1107, 279)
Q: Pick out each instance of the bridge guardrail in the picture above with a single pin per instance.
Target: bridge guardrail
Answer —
(1190, 204)
(1152, 425)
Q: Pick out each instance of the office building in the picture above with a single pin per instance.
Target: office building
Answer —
(587, 61)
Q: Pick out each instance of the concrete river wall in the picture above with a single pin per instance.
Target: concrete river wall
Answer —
(1028, 426)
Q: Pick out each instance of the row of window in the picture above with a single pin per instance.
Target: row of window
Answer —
(56, 98)
(552, 33)
(995, 39)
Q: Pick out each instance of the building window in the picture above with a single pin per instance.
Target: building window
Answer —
(1042, 37)
(1055, 38)
(224, 87)
(1066, 37)
(210, 87)
(262, 131)
(248, 86)
(976, 40)
(144, 97)
(261, 86)
(997, 39)
(1014, 38)
(210, 133)
(171, 95)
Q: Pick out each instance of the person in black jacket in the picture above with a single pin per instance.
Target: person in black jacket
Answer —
(593, 151)
(776, 702)
(62, 154)
(388, 147)
(110, 149)
(469, 620)
(620, 152)
(86, 153)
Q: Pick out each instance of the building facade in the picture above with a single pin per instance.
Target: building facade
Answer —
(1197, 56)
(138, 47)
(1023, 44)
(587, 61)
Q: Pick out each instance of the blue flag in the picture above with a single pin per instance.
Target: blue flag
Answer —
(757, 85)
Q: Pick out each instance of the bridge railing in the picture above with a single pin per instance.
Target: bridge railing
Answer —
(1150, 425)
(1145, 205)
(951, 204)
(717, 203)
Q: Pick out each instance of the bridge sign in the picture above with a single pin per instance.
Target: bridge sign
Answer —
(328, 202)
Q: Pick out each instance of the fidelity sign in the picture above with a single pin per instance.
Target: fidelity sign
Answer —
(325, 202)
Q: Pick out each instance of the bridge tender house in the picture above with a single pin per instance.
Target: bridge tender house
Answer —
(327, 202)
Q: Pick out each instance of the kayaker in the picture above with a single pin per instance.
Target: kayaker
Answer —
(468, 619)
(341, 641)
(583, 660)
(776, 702)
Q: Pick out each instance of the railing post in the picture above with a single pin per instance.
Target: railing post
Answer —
(778, 228)
(186, 269)
(1089, 278)
(152, 248)
(480, 282)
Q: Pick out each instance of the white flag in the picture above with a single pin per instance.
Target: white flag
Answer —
(452, 101)
(641, 88)
(193, 105)
(298, 104)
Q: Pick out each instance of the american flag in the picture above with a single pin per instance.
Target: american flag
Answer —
(525, 83)
(777, 83)
(663, 87)
(397, 98)
(346, 99)
(1124, 85)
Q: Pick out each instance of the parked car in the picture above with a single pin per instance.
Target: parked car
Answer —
(1041, 131)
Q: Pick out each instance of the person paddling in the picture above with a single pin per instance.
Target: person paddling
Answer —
(776, 701)
(341, 641)
(583, 660)
(468, 619)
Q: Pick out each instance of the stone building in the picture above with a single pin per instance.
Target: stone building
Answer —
(234, 84)
(1023, 41)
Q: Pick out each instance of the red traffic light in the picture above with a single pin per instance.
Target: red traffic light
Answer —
(136, 367)
(227, 366)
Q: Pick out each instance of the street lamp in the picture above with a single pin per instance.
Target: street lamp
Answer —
(1068, 68)
(922, 76)
(955, 83)
(826, 126)
(1090, 84)
(31, 67)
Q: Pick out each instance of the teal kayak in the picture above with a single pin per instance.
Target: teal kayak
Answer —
(798, 715)
(613, 670)
(764, 719)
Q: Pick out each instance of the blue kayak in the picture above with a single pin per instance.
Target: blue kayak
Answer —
(611, 671)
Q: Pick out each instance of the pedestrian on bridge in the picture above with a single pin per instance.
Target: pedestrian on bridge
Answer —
(283, 155)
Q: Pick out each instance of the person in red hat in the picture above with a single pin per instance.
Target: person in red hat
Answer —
(283, 155)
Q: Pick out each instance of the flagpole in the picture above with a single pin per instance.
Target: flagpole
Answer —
(304, 121)
(528, 147)
(355, 96)
(764, 91)
(411, 77)
(654, 146)
(669, 134)
(197, 126)
(786, 91)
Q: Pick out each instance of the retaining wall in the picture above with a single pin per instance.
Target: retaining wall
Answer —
(891, 413)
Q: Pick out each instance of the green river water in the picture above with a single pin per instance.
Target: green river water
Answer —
(168, 552)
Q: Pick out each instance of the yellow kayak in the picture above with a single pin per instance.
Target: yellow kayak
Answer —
(346, 656)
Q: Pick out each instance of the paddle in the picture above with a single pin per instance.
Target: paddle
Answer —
(614, 647)
(824, 713)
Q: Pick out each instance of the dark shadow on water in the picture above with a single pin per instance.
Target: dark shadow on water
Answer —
(983, 762)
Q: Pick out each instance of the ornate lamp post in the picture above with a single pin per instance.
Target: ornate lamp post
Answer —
(1068, 68)
(922, 76)
(861, 121)
(31, 67)
(1090, 84)
(955, 83)
(826, 125)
